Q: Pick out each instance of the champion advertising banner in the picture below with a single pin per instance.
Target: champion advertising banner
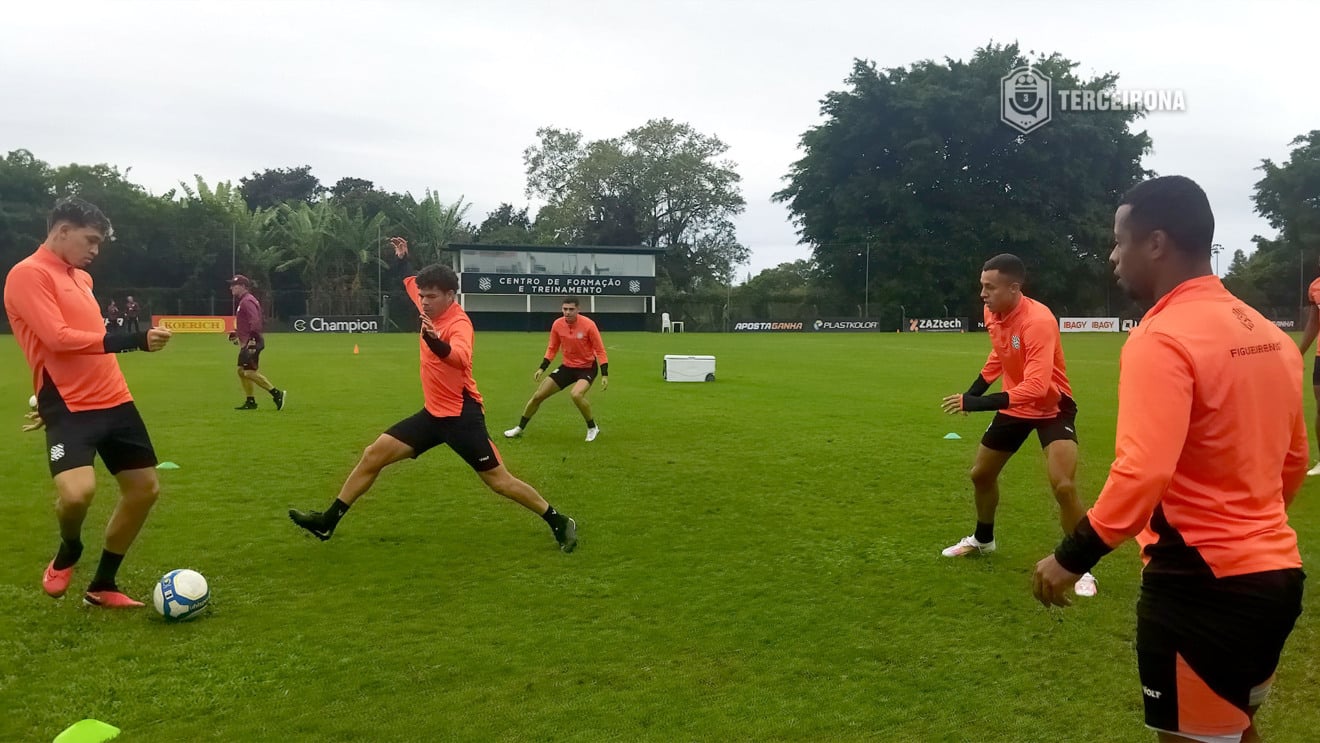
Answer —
(505, 283)
(338, 324)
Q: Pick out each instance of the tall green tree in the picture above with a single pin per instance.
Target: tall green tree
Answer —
(26, 196)
(506, 226)
(664, 185)
(915, 164)
(1288, 196)
(431, 225)
(274, 186)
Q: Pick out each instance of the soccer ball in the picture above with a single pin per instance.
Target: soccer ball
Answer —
(32, 402)
(181, 594)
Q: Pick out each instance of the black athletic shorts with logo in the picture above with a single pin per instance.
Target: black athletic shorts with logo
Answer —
(117, 434)
(567, 375)
(1007, 433)
(1207, 647)
(465, 433)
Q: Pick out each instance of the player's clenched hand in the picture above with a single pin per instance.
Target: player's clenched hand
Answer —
(536, 375)
(604, 383)
(1051, 582)
(157, 338)
(953, 404)
(400, 247)
(36, 424)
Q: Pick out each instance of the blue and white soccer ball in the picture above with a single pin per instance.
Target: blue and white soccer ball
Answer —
(181, 594)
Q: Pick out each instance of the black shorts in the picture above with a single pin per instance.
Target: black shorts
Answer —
(250, 358)
(465, 433)
(1007, 433)
(567, 375)
(1207, 647)
(1315, 372)
(117, 434)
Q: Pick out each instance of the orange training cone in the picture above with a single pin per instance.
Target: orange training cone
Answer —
(355, 349)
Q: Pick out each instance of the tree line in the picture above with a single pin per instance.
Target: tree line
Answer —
(909, 182)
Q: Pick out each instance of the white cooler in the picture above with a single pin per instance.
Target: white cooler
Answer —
(689, 369)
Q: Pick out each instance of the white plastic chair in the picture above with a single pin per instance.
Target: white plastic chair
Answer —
(665, 325)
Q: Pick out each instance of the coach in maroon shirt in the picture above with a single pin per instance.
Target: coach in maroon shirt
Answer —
(251, 342)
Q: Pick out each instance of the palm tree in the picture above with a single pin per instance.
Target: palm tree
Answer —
(308, 232)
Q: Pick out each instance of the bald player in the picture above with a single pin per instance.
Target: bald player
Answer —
(1210, 451)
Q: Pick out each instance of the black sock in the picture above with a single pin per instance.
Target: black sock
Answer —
(985, 533)
(105, 572)
(336, 512)
(591, 423)
(252, 399)
(523, 421)
(69, 553)
(552, 517)
(274, 391)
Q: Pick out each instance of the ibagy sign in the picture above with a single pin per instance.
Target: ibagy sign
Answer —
(1089, 325)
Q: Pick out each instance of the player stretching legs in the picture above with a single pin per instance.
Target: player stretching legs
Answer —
(452, 413)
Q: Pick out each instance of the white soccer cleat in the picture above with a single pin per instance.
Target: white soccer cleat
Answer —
(1314, 470)
(512, 432)
(1086, 586)
(592, 433)
(969, 546)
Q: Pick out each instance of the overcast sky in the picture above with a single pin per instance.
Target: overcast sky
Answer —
(447, 95)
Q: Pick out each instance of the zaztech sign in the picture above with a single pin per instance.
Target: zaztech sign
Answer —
(337, 324)
(937, 324)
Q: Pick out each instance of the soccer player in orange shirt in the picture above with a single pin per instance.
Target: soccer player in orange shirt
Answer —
(452, 414)
(578, 335)
(1308, 337)
(82, 397)
(1027, 354)
(1210, 451)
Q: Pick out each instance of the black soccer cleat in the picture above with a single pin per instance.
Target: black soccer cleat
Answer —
(279, 396)
(313, 522)
(249, 405)
(566, 534)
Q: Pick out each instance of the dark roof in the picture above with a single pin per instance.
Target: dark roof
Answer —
(618, 249)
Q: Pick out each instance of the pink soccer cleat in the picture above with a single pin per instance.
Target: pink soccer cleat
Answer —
(110, 600)
(56, 582)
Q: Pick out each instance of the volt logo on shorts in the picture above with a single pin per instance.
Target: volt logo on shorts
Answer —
(1151, 692)
(57, 452)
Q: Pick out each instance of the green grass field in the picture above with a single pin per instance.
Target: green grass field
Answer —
(759, 559)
